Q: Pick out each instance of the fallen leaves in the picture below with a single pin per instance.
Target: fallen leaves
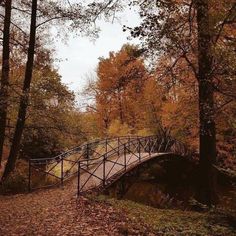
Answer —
(59, 212)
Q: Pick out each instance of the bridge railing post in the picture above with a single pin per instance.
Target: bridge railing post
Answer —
(78, 180)
(87, 155)
(87, 151)
(125, 164)
(29, 176)
(106, 146)
(62, 173)
(129, 144)
(104, 171)
(118, 146)
(149, 146)
(139, 149)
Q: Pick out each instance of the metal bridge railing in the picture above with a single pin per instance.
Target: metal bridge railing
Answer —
(95, 163)
(100, 172)
(47, 172)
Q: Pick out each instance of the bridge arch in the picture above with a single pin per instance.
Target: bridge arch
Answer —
(156, 181)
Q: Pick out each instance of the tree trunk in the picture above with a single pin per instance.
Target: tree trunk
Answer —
(207, 180)
(25, 95)
(5, 75)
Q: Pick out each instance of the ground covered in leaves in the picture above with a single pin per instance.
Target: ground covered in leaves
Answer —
(216, 222)
(59, 212)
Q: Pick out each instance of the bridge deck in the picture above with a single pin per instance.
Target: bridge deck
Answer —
(90, 178)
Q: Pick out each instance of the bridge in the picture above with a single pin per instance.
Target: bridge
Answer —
(97, 164)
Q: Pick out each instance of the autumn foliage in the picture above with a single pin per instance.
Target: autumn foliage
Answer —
(131, 99)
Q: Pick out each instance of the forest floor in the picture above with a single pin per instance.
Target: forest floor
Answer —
(59, 212)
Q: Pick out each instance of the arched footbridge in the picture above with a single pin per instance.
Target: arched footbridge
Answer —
(97, 164)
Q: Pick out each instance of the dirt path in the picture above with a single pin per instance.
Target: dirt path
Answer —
(58, 211)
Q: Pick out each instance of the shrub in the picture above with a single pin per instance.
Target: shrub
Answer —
(17, 181)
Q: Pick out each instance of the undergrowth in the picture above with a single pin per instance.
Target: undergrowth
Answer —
(215, 222)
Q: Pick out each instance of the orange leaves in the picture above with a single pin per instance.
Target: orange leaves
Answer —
(120, 82)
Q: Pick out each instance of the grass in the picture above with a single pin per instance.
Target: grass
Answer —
(178, 222)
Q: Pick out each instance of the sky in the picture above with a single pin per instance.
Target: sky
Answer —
(78, 58)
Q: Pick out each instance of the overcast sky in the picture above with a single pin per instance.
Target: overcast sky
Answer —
(79, 57)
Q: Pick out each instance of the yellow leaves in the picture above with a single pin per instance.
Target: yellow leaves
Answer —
(118, 129)
(144, 132)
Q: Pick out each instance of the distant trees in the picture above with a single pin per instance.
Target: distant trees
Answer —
(118, 90)
(127, 98)
(52, 124)
(148, 100)
(40, 13)
(197, 38)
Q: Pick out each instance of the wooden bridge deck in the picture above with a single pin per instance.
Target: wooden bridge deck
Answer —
(92, 181)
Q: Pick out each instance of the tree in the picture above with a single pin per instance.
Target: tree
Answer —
(5, 75)
(207, 190)
(172, 28)
(50, 11)
(25, 95)
(52, 124)
(119, 86)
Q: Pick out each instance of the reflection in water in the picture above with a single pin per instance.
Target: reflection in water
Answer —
(167, 183)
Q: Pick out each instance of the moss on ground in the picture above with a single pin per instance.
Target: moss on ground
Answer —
(178, 222)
